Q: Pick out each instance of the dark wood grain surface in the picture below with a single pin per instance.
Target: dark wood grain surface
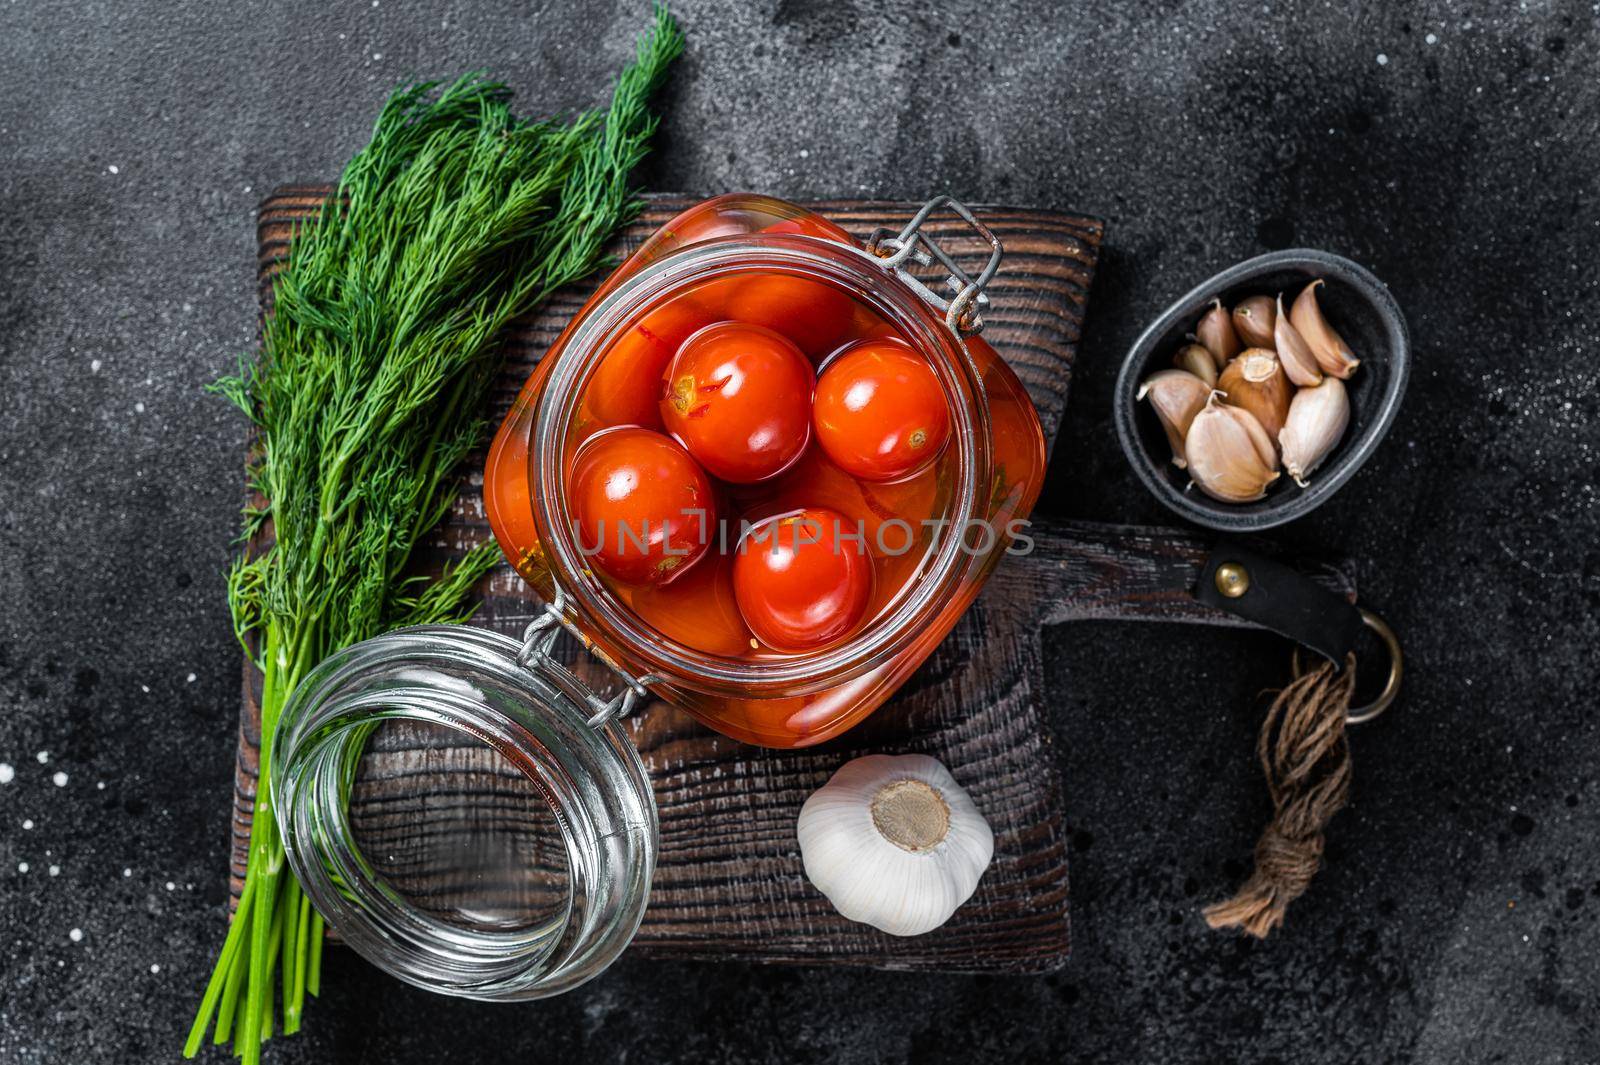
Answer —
(729, 883)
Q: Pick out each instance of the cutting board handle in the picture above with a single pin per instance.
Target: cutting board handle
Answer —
(1081, 571)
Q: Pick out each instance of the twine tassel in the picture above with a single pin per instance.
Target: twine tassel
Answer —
(1306, 759)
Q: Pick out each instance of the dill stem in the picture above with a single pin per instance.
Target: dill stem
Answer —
(290, 942)
(314, 969)
(263, 843)
(302, 927)
(236, 974)
(220, 976)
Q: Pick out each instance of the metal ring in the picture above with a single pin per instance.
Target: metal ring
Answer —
(540, 636)
(1391, 688)
(963, 310)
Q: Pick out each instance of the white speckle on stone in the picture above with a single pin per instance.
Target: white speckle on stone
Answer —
(171, 886)
(7, 773)
(76, 935)
(27, 824)
(805, 153)
(1432, 38)
(138, 408)
(1383, 60)
(144, 687)
(127, 873)
(112, 169)
(55, 870)
(22, 867)
(154, 967)
(59, 780)
(43, 756)
(99, 785)
(190, 679)
(94, 365)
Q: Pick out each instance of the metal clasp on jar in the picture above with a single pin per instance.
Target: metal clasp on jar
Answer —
(962, 311)
(540, 636)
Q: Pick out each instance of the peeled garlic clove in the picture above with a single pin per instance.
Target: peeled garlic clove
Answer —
(1256, 382)
(1329, 348)
(1298, 363)
(1231, 457)
(1317, 420)
(1215, 332)
(1197, 360)
(1176, 396)
(894, 842)
(1253, 320)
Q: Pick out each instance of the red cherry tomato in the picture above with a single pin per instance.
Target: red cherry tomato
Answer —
(643, 507)
(622, 390)
(815, 315)
(800, 583)
(880, 412)
(739, 398)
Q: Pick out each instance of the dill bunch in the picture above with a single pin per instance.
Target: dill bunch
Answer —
(369, 390)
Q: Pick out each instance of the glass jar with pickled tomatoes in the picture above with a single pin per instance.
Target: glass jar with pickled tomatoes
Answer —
(766, 467)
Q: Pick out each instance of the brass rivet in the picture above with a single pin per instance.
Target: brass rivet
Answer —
(1233, 580)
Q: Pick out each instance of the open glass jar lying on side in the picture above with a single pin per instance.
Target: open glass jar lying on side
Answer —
(932, 511)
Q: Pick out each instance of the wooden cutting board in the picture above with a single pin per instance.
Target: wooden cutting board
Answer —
(729, 882)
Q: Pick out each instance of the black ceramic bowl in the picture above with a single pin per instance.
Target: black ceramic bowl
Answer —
(1355, 303)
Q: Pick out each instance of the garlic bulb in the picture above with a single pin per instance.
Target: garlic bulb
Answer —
(1231, 457)
(894, 842)
(1332, 353)
(1176, 396)
(1317, 420)
(1256, 382)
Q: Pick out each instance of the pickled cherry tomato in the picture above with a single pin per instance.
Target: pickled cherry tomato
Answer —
(621, 391)
(813, 314)
(880, 412)
(802, 579)
(642, 505)
(739, 398)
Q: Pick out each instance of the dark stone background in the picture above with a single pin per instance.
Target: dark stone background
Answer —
(1458, 918)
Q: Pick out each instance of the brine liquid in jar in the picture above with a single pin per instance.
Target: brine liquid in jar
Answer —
(787, 451)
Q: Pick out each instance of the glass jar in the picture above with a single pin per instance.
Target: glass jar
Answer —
(479, 688)
(972, 506)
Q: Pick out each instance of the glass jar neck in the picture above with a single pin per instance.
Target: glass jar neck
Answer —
(470, 682)
(583, 349)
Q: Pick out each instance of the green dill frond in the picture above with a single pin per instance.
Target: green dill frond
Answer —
(369, 390)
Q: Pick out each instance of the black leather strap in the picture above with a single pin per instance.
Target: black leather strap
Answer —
(1281, 598)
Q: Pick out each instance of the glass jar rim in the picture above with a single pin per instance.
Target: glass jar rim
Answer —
(470, 681)
(822, 260)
